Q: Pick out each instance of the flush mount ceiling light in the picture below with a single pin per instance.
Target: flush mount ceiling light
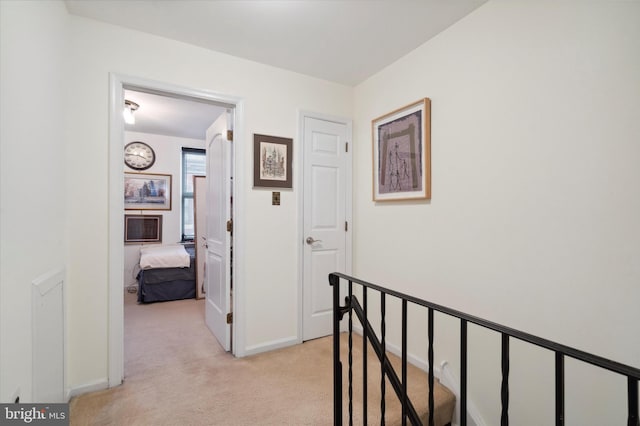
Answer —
(129, 108)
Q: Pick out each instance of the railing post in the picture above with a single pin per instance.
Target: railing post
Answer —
(504, 418)
(632, 395)
(385, 363)
(430, 361)
(559, 389)
(364, 357)
(463, 372)
(350, 356)
(383, 309)
(334, 280)
(404, 362)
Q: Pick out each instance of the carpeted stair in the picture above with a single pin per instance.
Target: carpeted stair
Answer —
(417, 389)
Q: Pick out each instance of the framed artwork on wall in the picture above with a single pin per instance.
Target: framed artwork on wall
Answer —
(142, 229)
(147, 191)
(402, 153)
(272, 161)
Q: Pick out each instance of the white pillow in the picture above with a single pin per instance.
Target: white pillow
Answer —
(164, 256)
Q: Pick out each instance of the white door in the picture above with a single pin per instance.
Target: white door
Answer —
(218, 268)
(200, 224)
(326, 203)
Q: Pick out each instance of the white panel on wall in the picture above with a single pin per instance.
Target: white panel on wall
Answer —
(48, 337)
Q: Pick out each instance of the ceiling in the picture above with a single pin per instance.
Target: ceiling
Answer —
(343, 41)
(171, 116)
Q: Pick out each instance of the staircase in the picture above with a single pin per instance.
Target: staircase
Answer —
(417, 390)
(406, 395)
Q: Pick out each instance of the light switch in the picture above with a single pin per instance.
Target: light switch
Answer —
(275, 198)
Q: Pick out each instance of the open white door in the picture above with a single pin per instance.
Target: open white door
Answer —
(218, 267)
(200, 224)
(327, 201)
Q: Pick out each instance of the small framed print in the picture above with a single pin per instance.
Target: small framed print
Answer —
(402, 153)
(272, 161)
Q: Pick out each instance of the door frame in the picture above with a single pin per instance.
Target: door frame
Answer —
(299, 179)
(117, 84)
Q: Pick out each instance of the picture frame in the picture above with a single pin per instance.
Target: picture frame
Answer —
(401, 143)
(147, 191)
(142, 228)
(272, 162)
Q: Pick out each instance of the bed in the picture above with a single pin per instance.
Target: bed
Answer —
(167, 272)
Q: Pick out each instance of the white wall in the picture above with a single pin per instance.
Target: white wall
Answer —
(168, 151)
(32, 184)
(272, 98)
(533, 221)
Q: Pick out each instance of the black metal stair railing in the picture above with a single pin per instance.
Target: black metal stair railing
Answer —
(399, 385)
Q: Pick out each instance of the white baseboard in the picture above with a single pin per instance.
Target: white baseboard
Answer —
(449, 380)
(89, 387)
(270, 346)
(422, 364)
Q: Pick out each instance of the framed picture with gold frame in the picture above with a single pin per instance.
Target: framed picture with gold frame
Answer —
(402, 153)
(147, 191)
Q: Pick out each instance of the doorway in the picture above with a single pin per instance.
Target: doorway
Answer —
(118, 84)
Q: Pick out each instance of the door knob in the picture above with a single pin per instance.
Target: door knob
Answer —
(310, 240)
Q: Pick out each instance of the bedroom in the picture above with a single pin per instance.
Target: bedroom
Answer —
(165, 167)
(174, 130)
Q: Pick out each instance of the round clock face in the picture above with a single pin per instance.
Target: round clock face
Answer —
(139, 155)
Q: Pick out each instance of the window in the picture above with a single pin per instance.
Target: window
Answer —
(194, 163)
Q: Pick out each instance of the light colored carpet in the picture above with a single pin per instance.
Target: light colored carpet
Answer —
(177, 374)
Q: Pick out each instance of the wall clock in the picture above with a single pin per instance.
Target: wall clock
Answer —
(139, 155)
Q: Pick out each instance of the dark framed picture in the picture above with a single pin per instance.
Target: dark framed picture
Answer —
(142, 229)
(272, 161)
(147, 191)
(402, 153)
